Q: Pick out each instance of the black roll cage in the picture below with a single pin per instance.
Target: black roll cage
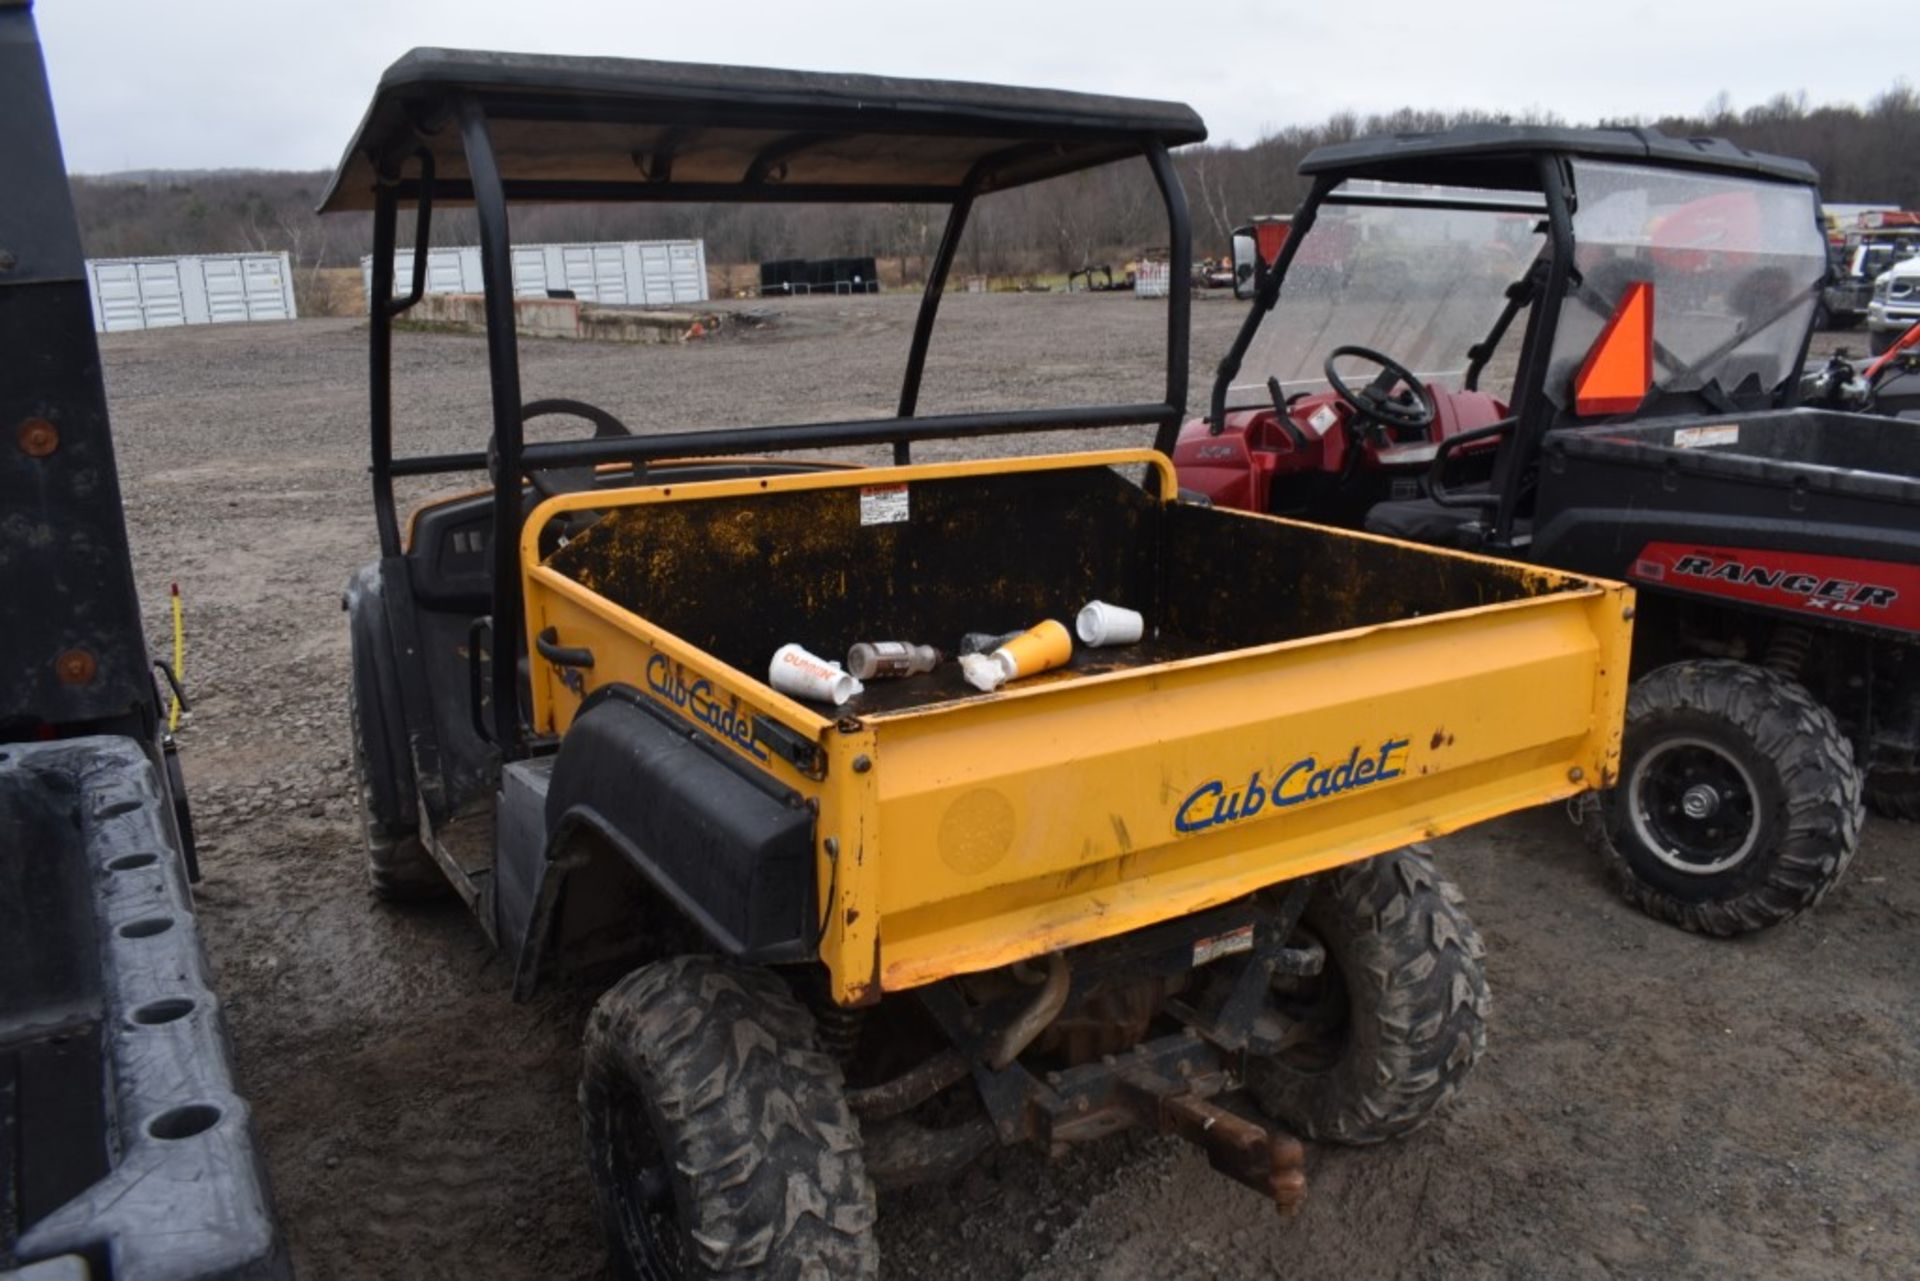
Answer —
(512, 456)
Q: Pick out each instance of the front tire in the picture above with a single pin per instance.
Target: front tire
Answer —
(718, 1135)
(1390, 1029)
(398, 865)
(1738, 807)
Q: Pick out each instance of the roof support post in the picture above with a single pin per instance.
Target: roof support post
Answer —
(1179, 294)
(1533, 408)
(503, 368)
(380, 369)
(1263, 302)
(937, 273)
(382, 307)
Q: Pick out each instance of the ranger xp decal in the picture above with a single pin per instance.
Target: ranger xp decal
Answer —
(1865, 591)
(1213, 803)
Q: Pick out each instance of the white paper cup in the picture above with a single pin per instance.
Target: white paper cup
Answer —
(1103, 624)
(804, 675)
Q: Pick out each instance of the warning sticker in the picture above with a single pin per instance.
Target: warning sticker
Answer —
(1706, 437)
(883, 504)
(1233, 941)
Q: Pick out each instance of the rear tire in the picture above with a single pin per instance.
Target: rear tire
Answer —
(1895, 793)
(718, 1135)
(1394, 1023)
(1880, 341)
(398, 864)
(1739, 806)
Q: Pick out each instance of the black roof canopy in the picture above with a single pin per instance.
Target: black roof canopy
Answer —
(626, 129)
(1508, 156)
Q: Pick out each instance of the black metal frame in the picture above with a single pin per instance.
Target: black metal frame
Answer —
(511, 457)
(1531, 411)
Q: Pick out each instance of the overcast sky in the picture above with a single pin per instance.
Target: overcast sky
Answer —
(193, 84)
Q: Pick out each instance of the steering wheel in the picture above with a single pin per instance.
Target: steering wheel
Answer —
(1375, 401)
(551, 482)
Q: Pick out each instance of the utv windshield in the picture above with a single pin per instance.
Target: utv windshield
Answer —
(1736, 267)
(1421, 279)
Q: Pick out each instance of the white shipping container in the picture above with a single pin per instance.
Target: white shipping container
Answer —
(642, 273)
(199, 289)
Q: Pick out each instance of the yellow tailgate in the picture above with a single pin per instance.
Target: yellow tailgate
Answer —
(1018, 826)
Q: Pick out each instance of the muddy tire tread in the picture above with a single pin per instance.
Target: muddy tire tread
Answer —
(398, 865)
(1815, 765)
(1398, 927)
(755, 1115)
(1895, 794)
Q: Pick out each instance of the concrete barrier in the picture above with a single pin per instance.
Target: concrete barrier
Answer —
(560, 318)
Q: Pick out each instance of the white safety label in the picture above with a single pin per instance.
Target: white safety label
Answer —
(883, 504)
(1706, 437)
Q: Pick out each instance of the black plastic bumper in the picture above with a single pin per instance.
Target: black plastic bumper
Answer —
(122, 1140)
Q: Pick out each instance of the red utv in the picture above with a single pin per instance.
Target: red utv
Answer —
(1585, 348)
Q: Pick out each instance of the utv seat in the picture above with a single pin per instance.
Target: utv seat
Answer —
(1421, 520)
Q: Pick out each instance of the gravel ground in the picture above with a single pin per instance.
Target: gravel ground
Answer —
(1651, 1104)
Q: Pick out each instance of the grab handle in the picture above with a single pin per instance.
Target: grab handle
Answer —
(548, 643)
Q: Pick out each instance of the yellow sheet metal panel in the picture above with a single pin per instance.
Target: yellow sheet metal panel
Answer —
(1102, 805)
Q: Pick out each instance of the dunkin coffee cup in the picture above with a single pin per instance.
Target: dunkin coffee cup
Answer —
(804, 675)
(1103, 624)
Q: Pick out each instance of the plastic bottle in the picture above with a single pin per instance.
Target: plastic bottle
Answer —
(984, 642)
(884, 660)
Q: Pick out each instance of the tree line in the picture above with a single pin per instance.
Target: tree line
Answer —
(1865, 153)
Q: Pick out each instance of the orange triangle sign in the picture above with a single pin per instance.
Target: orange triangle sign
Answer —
(1619, 367)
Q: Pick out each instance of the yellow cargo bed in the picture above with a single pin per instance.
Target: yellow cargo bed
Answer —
(1304, 697)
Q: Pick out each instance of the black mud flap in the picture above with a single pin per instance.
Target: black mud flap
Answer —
(122, 1140)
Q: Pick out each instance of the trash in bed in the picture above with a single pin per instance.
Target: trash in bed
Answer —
(983, 642)
(887, 660)
(1040, 648)
(1103, 624)
(795, 671)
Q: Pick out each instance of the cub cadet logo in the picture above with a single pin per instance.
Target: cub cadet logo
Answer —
(1212, 805)
(696, 702)
(1835, 594)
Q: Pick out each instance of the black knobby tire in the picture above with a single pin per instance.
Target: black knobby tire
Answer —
(1895, 793)
(1397, 1018)
(718, 1135)
(398, 864)
(1782, 808)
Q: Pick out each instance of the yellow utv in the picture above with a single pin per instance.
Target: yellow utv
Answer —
(1169, 883)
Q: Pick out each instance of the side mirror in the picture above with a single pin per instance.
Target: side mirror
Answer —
(1246, 264)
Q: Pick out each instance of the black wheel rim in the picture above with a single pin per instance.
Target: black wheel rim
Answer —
(645, 1199)
(1693, 806)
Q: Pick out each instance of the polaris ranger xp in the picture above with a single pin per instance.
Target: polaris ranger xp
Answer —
(1584, 348)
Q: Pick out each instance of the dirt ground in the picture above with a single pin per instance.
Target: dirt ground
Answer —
(1652, 1104)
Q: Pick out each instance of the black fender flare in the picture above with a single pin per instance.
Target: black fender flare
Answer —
(376, 676)
(729, 846)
